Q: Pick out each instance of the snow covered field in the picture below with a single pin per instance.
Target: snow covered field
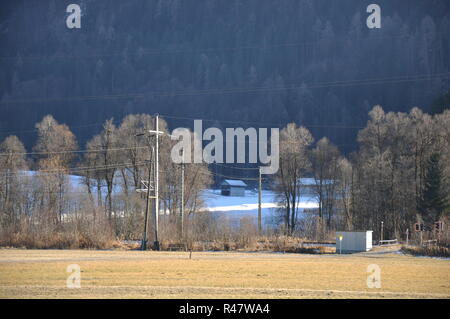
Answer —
(234, 208)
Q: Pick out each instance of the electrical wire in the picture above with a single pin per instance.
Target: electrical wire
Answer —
(234, 167)
(75, 151)
(150, 51)
(77, 169)
(357, 82)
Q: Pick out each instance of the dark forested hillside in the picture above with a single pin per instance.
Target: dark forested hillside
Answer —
(314, 62)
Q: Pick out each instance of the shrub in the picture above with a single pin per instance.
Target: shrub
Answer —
(434, 251)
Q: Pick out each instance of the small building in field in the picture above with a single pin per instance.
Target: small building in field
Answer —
(233, 187)
(353, 241)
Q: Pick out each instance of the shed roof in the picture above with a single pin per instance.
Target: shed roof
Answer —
(234, 182)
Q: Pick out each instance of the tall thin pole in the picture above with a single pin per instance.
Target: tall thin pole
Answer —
(144, 241)
(157, 183)
(182, 194)
(259, 203)
(381, 236)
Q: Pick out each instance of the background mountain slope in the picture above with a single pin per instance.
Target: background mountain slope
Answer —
(255, 62)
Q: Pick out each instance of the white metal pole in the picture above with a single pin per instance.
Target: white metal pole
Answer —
(182, 193)
(157, 184)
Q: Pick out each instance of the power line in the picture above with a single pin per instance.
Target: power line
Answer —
(139, 52)
(71, 127)
(75, 151)
(197, 118)
(77, 169)
(258, 123)
(209, 173)
(234, 167)
(130, 148)
(357, 82)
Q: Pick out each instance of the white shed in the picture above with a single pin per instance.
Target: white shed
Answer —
(353, 241)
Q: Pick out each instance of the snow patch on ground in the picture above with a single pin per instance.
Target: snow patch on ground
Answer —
(237, 207)
(233, 208)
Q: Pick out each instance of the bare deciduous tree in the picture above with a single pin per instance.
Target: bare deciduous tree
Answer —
(102, 151)
(55, 148)
(294, 164)
(325, 167)
(12, 161)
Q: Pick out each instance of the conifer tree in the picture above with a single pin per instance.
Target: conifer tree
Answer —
(434, 202)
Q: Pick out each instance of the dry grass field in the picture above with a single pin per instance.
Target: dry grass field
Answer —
(136, 274)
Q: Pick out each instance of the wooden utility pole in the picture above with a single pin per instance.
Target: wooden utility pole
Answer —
(259, 204)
